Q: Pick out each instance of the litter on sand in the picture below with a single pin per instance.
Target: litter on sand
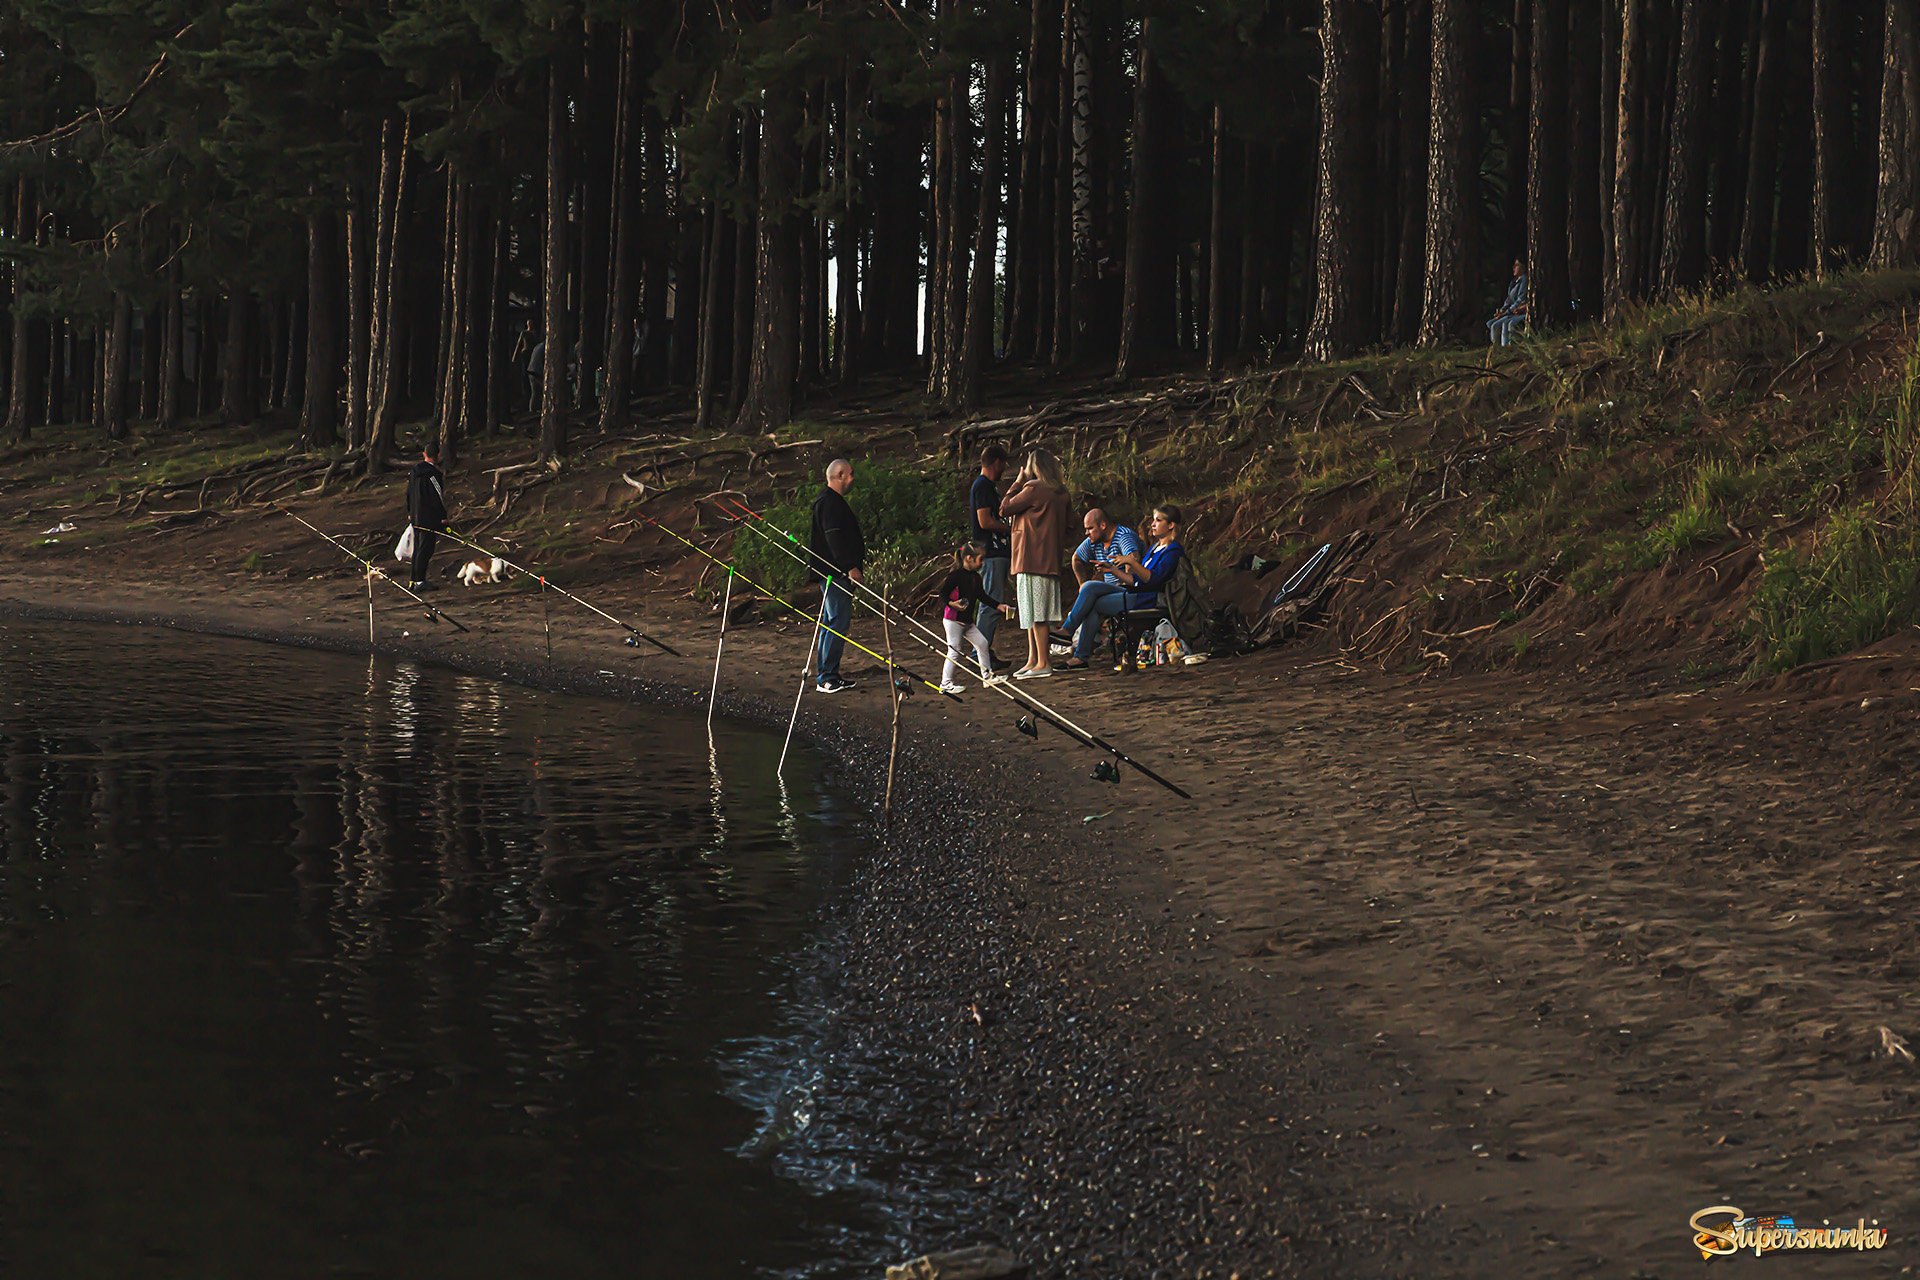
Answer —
(65, 526)
(1095, 817)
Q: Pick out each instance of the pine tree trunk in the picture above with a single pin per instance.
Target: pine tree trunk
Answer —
(1255, 212)
(595, 110)
(1081, 177)
(388, 306)
(775, 333)
(293, 387)
(444, 306)
(1519, 117)
(846, 241)
(1682, 247)
(745, 239)
(19, 379)
(116, 361)
(706, 373)
(1411, 132)
(1061, 339)
(236, 407)
(496, 399)
(1756, 229)
(1549, 304)
(1146, 320)
(1626, 283)
(357, 319)
(1829, 133)
(553, 292)
(1216, 244)
(458, 357)
(623, 299)
(276, 353)
(1451, 231)
(172, 353)
(977, 342)
(1343, 317)
(941, 200)
(151, 320)
(1896, 209)
(659, 242)
(1586, 263)
(319, 416)
(1792, 228)
(1030, 232)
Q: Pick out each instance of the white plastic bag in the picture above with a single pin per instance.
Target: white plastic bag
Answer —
(403, 549)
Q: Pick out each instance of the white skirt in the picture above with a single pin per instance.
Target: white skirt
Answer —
(1038, 598)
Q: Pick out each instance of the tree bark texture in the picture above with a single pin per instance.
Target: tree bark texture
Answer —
(1343, 314)
(1451, 231)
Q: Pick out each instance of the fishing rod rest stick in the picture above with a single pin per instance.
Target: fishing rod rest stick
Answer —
(806, 673)
(713, 694)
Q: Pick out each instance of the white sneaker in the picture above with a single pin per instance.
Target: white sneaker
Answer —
(950, 687)
(993, 679)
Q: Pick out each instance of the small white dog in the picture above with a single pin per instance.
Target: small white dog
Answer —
(475, 572)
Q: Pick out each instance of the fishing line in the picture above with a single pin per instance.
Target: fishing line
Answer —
(1003, 687)
(891, 666)
(372, 570)
(632, 631)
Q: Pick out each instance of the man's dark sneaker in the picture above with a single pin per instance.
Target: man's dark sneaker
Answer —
(833, 684)
(416, 586)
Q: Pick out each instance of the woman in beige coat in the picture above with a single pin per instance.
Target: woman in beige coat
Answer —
(1038, 509)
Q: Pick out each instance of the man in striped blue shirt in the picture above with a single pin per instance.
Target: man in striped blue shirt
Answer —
(1101, 591)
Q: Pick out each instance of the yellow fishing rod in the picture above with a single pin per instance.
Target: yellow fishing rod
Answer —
(374, 571)
(890, 665)
(634, 634)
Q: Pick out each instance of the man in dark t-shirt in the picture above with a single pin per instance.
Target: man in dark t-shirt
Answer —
(993, 533)
(426, 510)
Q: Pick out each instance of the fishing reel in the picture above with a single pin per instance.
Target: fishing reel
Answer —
(1106, 771)
(1026, 725)
(904, 686)
(632, 642)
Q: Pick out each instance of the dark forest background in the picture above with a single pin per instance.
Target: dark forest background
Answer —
(356, 214)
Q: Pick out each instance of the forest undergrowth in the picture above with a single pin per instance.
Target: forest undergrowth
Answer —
(1605, 480)
(1730, 478)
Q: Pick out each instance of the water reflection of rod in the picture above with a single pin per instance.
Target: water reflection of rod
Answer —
(634, 633)
(373, 570)
(886, 608)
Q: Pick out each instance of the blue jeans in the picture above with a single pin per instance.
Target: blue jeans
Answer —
(1096, 600)
(993, 578)
(1501, 331)
(839, 611)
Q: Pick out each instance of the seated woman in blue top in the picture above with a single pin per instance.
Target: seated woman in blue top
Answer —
(1140, 579)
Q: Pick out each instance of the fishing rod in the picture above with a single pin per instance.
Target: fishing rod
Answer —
(373, 571)
(634, 633)
(1012, 692)
(765, 525)
(891, 666)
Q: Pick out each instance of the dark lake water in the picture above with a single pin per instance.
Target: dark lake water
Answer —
(326, 966)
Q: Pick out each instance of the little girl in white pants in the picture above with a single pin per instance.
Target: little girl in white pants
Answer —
(960, 595)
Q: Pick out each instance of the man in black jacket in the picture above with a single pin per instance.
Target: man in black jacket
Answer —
(426, 510)
(839, 553)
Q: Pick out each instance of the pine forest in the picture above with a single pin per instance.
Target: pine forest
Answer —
(493, 215)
